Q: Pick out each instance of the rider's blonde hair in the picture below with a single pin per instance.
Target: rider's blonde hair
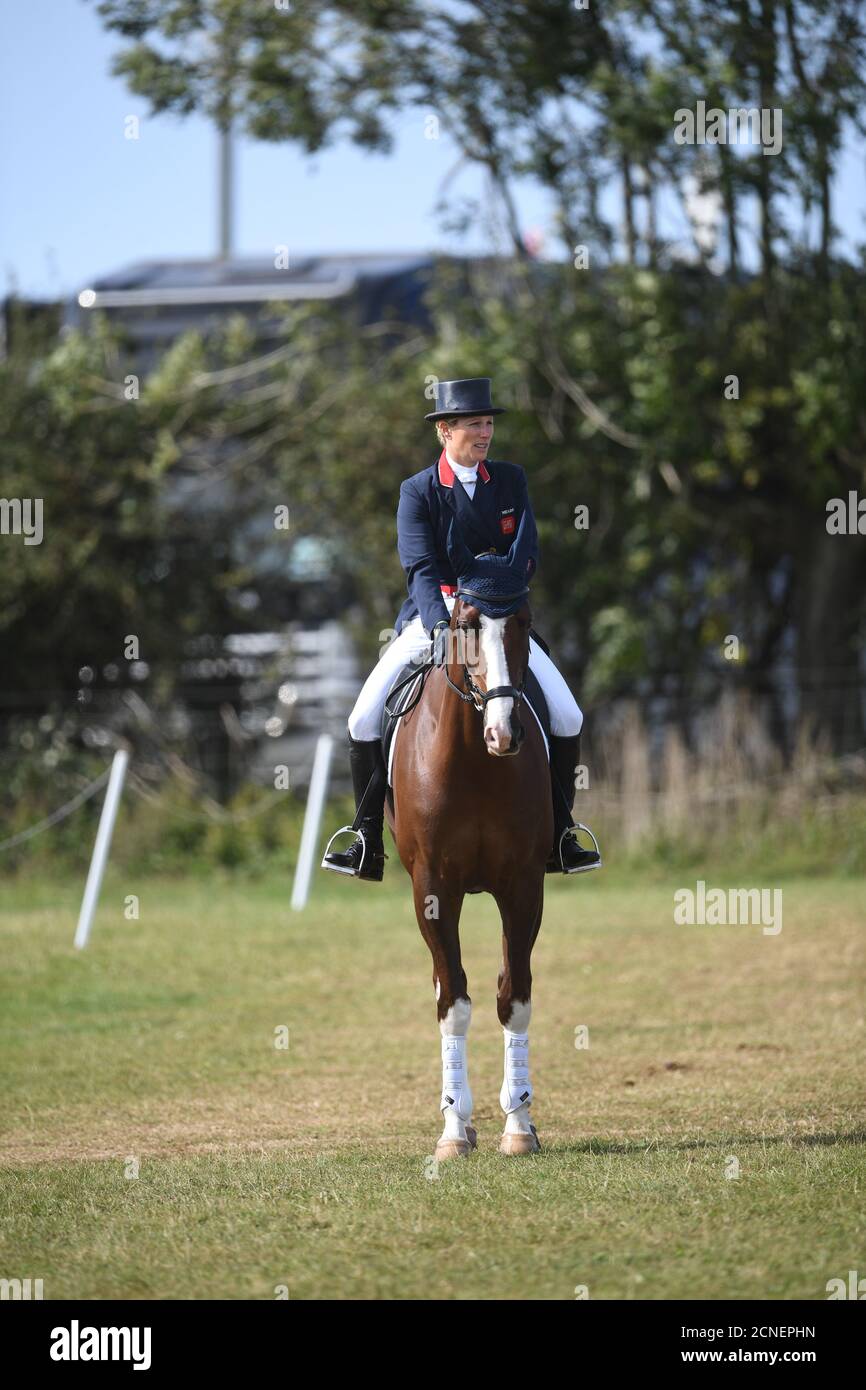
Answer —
(437, 425)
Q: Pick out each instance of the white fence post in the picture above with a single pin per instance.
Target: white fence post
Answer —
(101, 848)
(312, 820)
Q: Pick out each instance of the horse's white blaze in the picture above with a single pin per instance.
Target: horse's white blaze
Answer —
(497, 713)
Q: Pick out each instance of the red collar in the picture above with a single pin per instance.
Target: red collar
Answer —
(446, 472)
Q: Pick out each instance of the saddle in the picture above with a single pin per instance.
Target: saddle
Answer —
(396, 705)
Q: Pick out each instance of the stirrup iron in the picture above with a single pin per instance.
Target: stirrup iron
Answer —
(337, 868)
(569, 830)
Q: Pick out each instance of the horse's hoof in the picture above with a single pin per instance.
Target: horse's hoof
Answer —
(520, 1143)
(456, 1148)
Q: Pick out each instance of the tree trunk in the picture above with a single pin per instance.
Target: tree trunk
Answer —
(829, 611)
(730, 200)
(628, 208)
(826, 212)
(767, 85)
(651, 227)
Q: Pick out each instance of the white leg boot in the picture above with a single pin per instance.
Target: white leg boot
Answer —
(458, 1137)
(515, 1097)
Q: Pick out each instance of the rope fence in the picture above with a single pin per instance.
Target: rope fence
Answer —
(602, 793)
(60, 814)
(213, 814)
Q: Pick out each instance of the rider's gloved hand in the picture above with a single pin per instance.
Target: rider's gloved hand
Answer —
(440, 635)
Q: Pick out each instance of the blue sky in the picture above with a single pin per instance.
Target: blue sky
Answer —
(78, 200)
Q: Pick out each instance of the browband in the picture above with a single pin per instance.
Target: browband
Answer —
(491, 598)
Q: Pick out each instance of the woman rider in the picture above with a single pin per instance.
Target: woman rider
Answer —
(498, 497)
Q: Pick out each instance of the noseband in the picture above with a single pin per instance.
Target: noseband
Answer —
(479, 697)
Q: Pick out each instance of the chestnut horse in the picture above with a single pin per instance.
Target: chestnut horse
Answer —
(470, 812)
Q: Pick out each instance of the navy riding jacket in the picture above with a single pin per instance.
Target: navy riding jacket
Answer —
(428, 502)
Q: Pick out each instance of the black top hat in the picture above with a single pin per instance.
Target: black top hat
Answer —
(471, 396)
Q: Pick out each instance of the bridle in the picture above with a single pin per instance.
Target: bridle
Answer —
(479, 697)
(472, 694)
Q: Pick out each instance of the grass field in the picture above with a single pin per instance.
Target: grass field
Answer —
(307, 1167)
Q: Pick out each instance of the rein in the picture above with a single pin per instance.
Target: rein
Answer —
(424, 671)
(473, 695)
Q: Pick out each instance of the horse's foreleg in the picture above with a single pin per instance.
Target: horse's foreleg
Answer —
(438, 916)
(514, 1006)
(458, 1135)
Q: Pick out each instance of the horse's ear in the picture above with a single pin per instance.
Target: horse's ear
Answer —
(459, 554)
(519, 552)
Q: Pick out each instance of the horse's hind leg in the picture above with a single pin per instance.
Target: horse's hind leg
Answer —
(438, 913)
(521, 920)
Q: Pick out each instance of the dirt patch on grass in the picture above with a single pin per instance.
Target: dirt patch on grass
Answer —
(171, 1128)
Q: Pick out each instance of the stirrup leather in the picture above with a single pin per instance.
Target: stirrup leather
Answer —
(572, 830)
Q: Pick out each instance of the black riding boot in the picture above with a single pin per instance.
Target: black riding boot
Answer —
(564, 758)
(366, 857)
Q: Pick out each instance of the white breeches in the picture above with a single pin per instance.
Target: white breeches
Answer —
(566, 718)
